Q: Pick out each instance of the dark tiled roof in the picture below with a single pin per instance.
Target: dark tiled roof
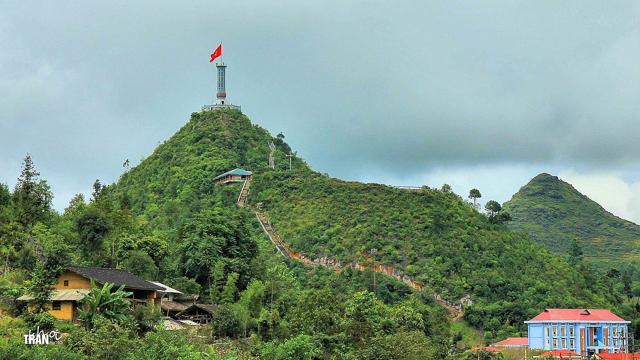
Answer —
(117, 277)
(167, 305)
(205, 307)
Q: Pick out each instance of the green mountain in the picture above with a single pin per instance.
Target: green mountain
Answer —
(176, 179)
(431, 235)
(554, 213)
(165, 219)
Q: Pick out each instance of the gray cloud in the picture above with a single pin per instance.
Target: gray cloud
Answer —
(358, 88)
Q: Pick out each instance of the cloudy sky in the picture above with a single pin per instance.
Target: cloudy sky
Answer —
(475, 94)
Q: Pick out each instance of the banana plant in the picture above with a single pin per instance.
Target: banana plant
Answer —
(112, 305)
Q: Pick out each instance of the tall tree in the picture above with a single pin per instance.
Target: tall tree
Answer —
(32, 196)
(93, 227)
(97, 190)
(213, 235)
(216, 279)
(576, 254)
(626, 283)
(40, 287)
(474, 194)
(230, 289)
(76, 206)
(5, 196)
(493, 208)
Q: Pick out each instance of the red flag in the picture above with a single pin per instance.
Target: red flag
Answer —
(217, 53)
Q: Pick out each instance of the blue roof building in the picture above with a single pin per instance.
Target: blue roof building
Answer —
(583, 331)
(235, 175)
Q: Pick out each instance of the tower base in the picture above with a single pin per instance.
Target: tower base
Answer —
(221, 106)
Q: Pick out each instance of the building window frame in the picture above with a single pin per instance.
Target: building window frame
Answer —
(56, 305)
(65, 283)
(571, 331)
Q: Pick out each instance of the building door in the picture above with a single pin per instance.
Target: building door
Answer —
(583, 345)
(605, 335)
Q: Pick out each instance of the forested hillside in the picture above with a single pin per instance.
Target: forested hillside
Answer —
(166, 220)
(432, 235)
(435, 236)
(554, 213)
(176, 180)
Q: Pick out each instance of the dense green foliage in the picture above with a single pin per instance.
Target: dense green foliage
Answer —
(436, 237)
(166, 220)
(176, 180)
(554, 213)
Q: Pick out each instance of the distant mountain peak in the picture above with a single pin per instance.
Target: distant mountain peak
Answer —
(545, 177)
(553, 213)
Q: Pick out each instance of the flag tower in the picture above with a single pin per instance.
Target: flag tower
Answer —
(222, 94)
(221, 101)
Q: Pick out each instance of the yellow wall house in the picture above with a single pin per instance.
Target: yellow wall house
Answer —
(75, 283)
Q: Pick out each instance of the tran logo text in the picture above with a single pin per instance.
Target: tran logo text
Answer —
(42, 338)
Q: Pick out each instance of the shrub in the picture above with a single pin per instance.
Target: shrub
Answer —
(164, 344)
(301, 347)
(43, 320)
(146, 318)
(224, 322)
(105, 341)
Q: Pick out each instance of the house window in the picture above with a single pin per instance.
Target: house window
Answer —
(554, 331)
(622, 332)
(563, 331)
(555, 343)
(55, 306)
(564, 343)
(571, 331)
(615, 331)
(66, 283)
(572, 343)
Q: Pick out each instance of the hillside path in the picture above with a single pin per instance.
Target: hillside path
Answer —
(455, 309)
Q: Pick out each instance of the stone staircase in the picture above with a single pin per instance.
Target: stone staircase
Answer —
(455, 309)
(244, 193)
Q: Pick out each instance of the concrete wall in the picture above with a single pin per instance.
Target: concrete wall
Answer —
(75, 281)
(536, 336)
(65, 312)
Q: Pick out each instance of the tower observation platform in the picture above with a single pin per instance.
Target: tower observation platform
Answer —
(221, 102)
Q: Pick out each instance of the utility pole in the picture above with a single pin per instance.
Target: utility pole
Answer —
(290, 156)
